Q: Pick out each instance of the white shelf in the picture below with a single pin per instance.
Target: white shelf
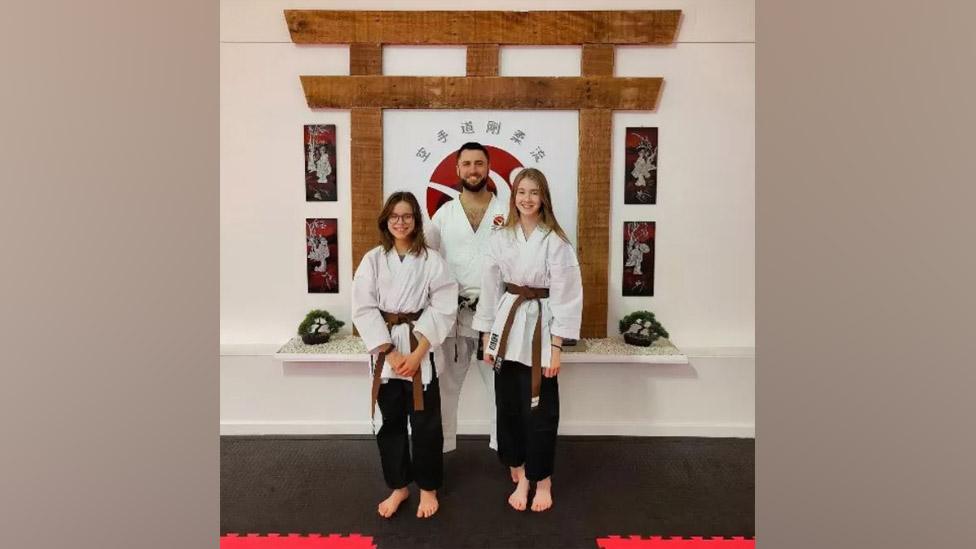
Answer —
(594, 358)
(321, 357)
(350, 349)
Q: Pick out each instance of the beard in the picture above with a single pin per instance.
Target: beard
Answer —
(476, 187)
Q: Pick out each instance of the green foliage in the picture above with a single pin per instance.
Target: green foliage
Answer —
(315, 319)
(643, 323)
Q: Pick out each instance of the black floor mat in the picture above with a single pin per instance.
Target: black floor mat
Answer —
(666, 486)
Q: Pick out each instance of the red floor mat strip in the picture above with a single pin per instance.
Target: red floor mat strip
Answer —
(356, 541)
(296, 541)
(656, 542)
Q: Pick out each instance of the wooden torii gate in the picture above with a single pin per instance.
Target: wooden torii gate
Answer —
(596, 94)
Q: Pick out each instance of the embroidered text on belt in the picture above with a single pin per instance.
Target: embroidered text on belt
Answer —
(393, 319)
(526, 293)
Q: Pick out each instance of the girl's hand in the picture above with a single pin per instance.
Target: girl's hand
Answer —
(394, 358)
(555, 358)
(410, 365)
(489, 359)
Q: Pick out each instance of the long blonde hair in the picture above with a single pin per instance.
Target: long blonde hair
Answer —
(547, 217)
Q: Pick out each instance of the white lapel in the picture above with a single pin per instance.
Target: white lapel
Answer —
(537, 234)
(393, 262)
(488, 218)
(400, 274)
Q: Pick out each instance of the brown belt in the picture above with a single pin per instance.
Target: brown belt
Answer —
(525, 293)
(392, 319)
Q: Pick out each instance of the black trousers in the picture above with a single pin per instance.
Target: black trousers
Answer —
(526, 436)
(425, 464)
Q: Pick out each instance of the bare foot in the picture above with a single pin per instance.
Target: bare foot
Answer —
(388, 506)
(428, 504)
(514, 473)
(520, 496)
(543, 495)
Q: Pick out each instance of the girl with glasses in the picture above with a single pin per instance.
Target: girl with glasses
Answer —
(404, 305)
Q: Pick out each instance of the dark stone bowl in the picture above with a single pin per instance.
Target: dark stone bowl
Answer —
(638, 340)
(315, 339)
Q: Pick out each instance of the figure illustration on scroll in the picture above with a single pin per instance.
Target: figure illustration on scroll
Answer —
(640, 166)
(320, 172)
(321, 251)
(638, 275)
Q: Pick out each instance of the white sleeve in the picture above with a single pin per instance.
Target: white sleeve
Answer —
(432, 233)
(565, 290)
(492, 286)
(438, 317)
(366, 314)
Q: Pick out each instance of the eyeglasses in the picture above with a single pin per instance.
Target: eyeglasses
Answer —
(405, 218)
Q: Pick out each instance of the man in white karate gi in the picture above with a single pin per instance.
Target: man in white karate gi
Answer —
(460, 231)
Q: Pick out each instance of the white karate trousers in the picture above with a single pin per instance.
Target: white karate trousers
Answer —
(451, 377)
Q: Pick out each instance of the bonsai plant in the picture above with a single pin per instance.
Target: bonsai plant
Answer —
(318, 327)
(641, 328)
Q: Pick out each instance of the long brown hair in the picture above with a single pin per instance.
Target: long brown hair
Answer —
(419, 244)
(547, 217)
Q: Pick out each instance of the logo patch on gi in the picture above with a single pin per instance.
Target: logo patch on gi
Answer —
(497, 222)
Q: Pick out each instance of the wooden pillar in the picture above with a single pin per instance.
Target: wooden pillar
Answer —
(593, 225)
(482, 60)
(597, 60)
(365, 59)
(367, 179)
(367, 156)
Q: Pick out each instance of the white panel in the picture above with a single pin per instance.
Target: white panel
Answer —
(259, 389)
(262, 202)
(711, 396)
(539, 60)
(704, 20)
(425, 60)
(550, 142)
(705, 257)
(705, 211)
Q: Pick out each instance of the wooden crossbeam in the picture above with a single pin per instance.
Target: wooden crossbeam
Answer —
(481, 92)
(483, 27)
